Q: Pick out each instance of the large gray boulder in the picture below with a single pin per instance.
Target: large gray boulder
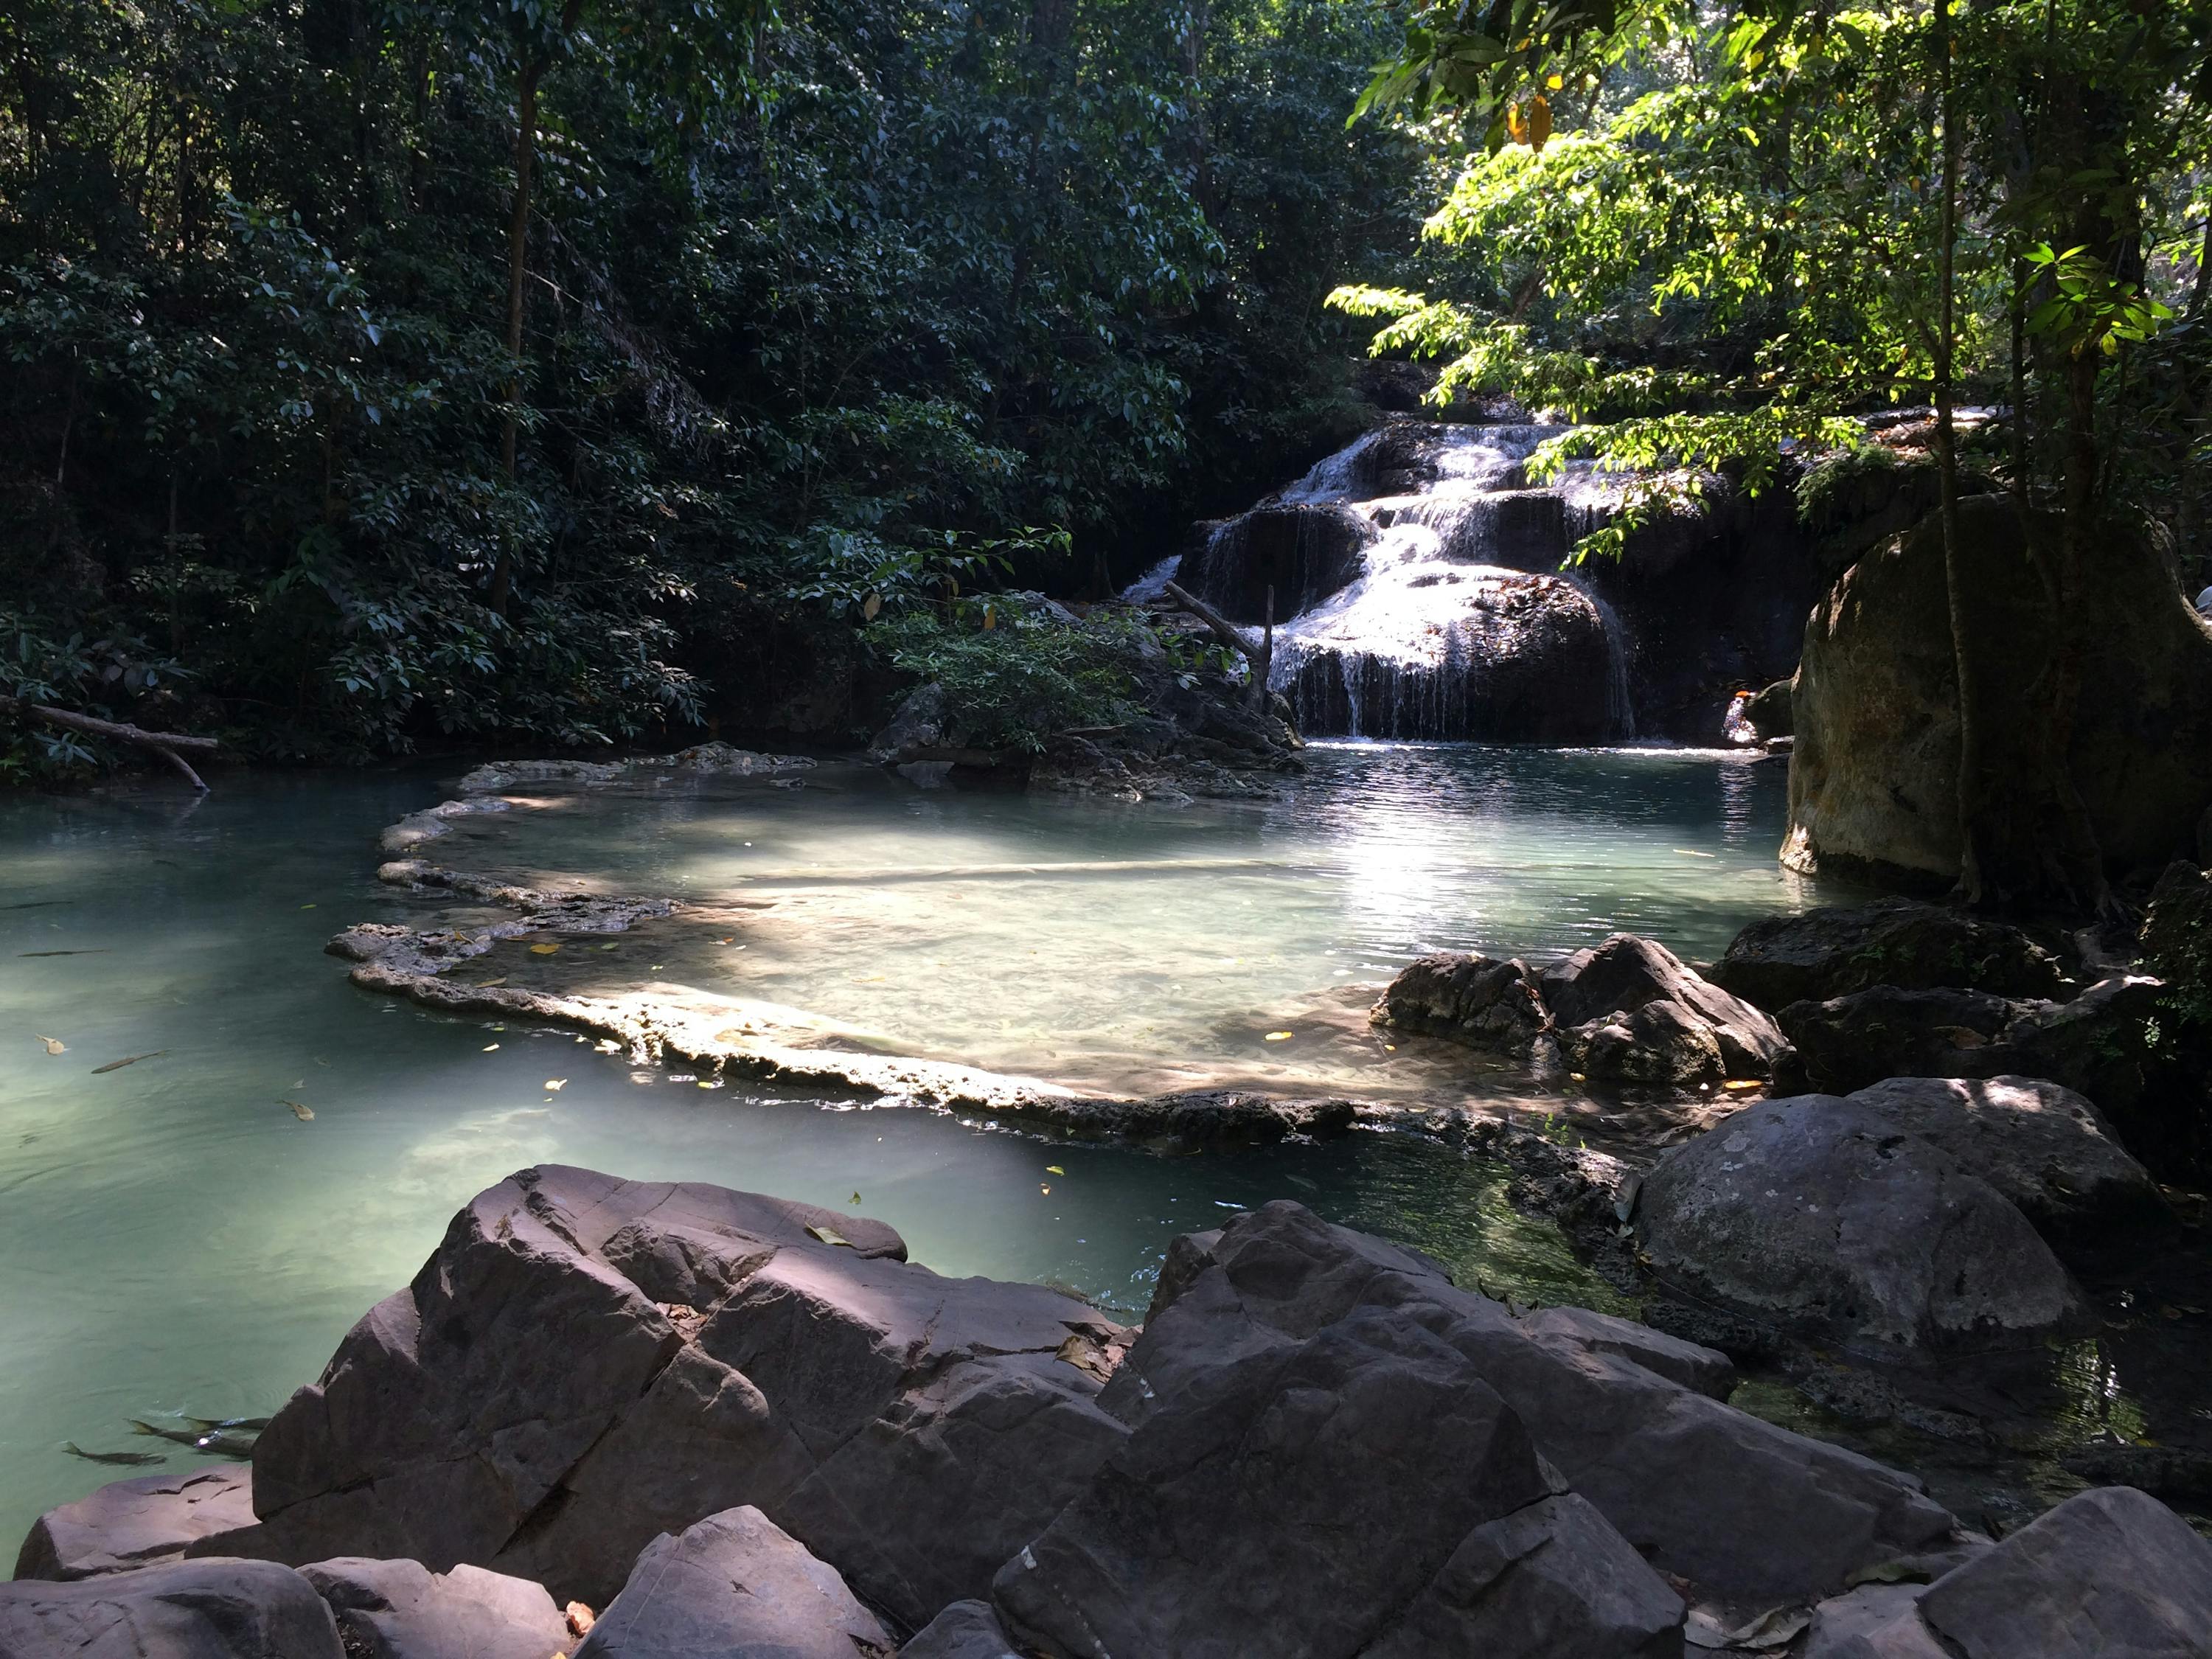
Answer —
(1825, 1217)
(734, 1586)
(1574, 1331)
(1834, 951)
(586, 1363)
(137, 1523)
(1233, 1519)
(2044, 1147)
(1874, 777)
(213, 1609)
(1608, 985)
(2111, 1573)
(1703, 1492)
(966, 1630)
(1477, 1000)
(402, 1610)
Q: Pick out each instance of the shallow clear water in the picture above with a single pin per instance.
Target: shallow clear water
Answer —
(1145, 948)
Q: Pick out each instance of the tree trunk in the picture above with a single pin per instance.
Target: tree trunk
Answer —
(518, 276)
(1971, 805)
(1259, 655)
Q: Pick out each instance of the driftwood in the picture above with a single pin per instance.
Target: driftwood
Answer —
(1259, 654)
(164, 743)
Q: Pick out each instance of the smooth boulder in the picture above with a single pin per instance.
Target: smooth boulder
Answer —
(1703, 1492)
(1825, 1217)
(212, 1609)
(586, 1363)
(402, 1610)
(734, 1586)
(1874, 777)
(1837, 950)
(2046, 1148)
(136, 1523)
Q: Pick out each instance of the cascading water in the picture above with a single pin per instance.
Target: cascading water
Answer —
(1417, 592)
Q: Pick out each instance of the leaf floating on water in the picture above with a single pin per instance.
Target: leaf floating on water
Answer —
(307, 907)
(1054, 1169)
(543, 949)
(121, 1460)
(127, 1059)
(856, 1198)
(489, 1047)
(869, 979)
(54, 1045)
(557, 1082)
(1742, 1083)
(486, 984)
(1045, 1186)
(1278, 1036)
(831, 1235)
(304, 1114)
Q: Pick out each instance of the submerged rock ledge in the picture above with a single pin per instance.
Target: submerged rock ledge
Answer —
(759, 1429)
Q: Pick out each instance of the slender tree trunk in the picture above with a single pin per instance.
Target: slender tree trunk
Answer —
(518, 276)
(1971, 805)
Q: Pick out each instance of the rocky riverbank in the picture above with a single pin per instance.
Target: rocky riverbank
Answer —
(736, 1424)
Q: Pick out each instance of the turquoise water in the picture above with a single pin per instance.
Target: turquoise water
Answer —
(173, 1239)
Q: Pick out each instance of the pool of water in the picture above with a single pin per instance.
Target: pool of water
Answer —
(1140, 948)
(174, 1239)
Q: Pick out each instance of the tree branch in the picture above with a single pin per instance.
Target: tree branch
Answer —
(165, 743)
(1259, 655)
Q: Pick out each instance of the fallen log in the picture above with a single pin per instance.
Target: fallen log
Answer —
(1259, 654)
(164, 743)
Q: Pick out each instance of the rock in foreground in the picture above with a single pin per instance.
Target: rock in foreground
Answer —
(2109, 1574)
(183, 1610)
(402, 1610)
(736, 1584)
(137, 1523)
(1822, 1216)
(586, 1363)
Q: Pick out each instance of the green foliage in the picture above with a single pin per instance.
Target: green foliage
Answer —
(1012, 673)
(824, 310)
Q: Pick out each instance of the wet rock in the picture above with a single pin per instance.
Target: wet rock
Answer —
(1452, 651)
(1856, 1041)
(136, 1523)
(1305, 550)
(1874, 783)
(1701, 1490)
(1203, 1118)
(2111, 1573)
(920, 726)
(1707, 1371)
(2044, 1147)
(1626, 974)
(402, 1610)
(1474, 999)
(585, 1362)
(2119, 1042)
(1222, 1525)
(1823, 1216)
(737, 1586)
(966, 1630)
(1661, 1044)
(1831, 952)
(416, 828)
(180, 1610)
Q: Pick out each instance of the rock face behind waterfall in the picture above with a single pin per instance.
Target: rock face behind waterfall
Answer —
(1873, 780)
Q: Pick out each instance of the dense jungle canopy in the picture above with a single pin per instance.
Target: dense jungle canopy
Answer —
(385, 373)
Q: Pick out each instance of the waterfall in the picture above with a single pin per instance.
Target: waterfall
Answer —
(1417, 595)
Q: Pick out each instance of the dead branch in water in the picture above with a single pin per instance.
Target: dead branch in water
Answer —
(164, 743)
